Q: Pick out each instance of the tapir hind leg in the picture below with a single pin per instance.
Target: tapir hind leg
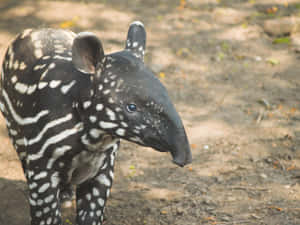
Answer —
(93, 193)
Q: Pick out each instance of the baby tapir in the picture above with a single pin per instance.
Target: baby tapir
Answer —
(67, 105)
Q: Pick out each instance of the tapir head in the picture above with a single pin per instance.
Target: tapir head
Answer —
(129, 101)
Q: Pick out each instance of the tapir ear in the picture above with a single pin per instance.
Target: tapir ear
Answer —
(136, 39)
(87, 52)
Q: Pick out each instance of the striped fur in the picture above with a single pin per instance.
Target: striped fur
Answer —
(45, 130)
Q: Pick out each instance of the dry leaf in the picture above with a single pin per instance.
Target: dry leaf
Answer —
(272, 10)
(209, 218)
(182, 4)
(293, 110)
(276, 208)
(193, 146)
(292, 167)
(162, 75)
(69, 23)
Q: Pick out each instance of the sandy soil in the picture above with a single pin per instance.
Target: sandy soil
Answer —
(237, 92)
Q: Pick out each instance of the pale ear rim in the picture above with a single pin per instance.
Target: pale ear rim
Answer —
(87, 52)
(138, 23)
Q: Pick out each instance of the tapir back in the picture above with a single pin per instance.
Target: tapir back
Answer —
(39, 89)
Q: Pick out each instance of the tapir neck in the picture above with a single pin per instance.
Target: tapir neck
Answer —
(95, 139)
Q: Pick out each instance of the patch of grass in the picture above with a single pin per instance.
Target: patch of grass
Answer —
(282, 40)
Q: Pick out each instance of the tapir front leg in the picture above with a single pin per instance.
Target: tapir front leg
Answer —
(92, 194)
(44, 197)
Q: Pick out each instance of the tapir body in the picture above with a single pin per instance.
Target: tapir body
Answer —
(67, 105)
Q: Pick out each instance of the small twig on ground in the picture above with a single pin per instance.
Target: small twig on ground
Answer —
(260, 116)
(296, 209)
(249, 188)
(235, 222)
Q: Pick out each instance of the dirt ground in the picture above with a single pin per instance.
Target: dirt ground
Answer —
(237, 91)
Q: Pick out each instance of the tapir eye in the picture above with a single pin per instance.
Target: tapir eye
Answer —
(131, 107)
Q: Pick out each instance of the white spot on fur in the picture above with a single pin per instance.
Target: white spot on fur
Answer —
(100, 202)
(92, 205)
(44, 74)
(124, 124)
(52, 66)
(34, 195)
(45, 57)
(22, 66)
(32, 185)
(38, 67)
(42, 85)
(54, 83)
(49, 198)
(135, 44)
(110, 114)
(120, 132)
(44, 188)
(55, 180)
(111, 100)
(16, 65)
(106, 92)
(13, 132)
(62, 58)
(87, 104)
(54, 205)
(95, 133)
(136, 139)
(46, 210)
(64, 89)
(96, 192)
(40, 202)
(112, 83)
(38, 53)
(104, 166)
(40, 175)
(118, 109)
(98, 213)
(88, 196)
(31, 89)
(32, 202)
(49, 220)
(14, 79)
(21, 88)
(107, 125)
(111, 174)
(93, 119)
(38, 213)
(99, 107)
